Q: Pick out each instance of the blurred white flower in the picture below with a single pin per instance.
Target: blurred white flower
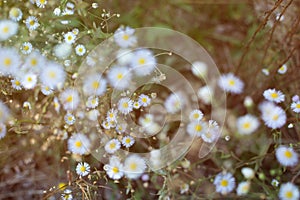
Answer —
(124, 37)
(134, 166)
(224, 183)
(15, 14)
(274, 95)
(143, 62)
(288, 191)
(8, 29)
(199, 69)
(286, 156)
(231, 83)
(243, 188)
(247, 124)
(79, 143)
(83, 169)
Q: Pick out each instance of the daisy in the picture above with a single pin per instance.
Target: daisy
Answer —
(205, 94)
(69, 119)
(67, 195)
(173, 103)
(124, 57)
(114, 169)
(125, 105)
(136, 105)
(184, 188)
(46, 90)
(248, 173)
(273, 95)
(282, 69)
(15, 14)
(32, 23)
(243, 188)
(70, 99)
(57, 11)
(295, 106)
(230, 83)
(29, 80)
(212, 133)
(41, 3)
(93, 115)
(196, 115)
(199, 69)
(121, 128)
(247, 124)
(124, 37)
(2, 130)
(224, 183)
(26, 48)
(4, 112)
(134, 166)
(8, 29)
(119, 77)
(75, 31)
(79, 143)
(94, 85)
(83, 169)
(273, 116)
(286, 156)
(128, 141)
(288, 191)
(16, 84)
(111, 115)
(147, 120)
(69, 37)
(196, 128)
(92, 102)
(143, 62)
(9, 61)
(62, 50)
(80, 50)
(112, 146)
(56, 104)
(69, 9)
(144, 100)
(106, 125)
(53, 75)
(34, 62)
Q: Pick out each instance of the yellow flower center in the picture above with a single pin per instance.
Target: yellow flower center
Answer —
(69, 37)
(133, 166)
(29, 79)
(224, 183)
(7, 62)
(144, 100)
(80, 49)
(142, 61)
(274, 95)
(42, 1)
(288, 154)
(32, 22)
(125, 105)
(275, 117)
(115, 170)
(33, 62)
(246, 125)
(52, 74)
(17, 83)
(82, 169)
(14, 12)
(26, 47)
(5, 29)
(198, 127)
(127, 140)
(125, 37)
(69, 99)
(196, 115)
(231, 82)
(112, 145)
(289, 194)
(96, 84)
(94, 101)
(119, 76)
(70, 118)
(78, 144)
(61, 186)
(298, 105)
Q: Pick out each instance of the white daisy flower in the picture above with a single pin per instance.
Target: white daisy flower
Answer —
(282, 69)
(4, 112)
(119, 77)
(265, 71)
(8, 29)
(41, 3)
(196, 115)
(184, 188)
(69, 38)
(2, 130)
(93, 115)
(79, 143)
(92, 102)
(32, 23)
(106, 125)
(273, 116)
(144, 100)
(69, 119)
(243, 188)
(295, 98)
(295, 106)
(75, 31)
(9, 61)
(288, 191)
(125, 105)
(128, 141)
(173, 103)
(62, 50)
(121, 128)
(146, 121)
(46, 90)
(112, 146)
(83, 169)
(124, 37)
(124, 56)
(231, 83)
(53, 75)
(212, 133)
(136, 105)
(56, 104)
(15, 14)
(57, 11)
(29, 80)
(199, 69)
(205, 94)
(80, 50)
(69, 9)
(16, 84)
(26, 48)
(196, 128)
(67, 195)
(248, 173)
(143, 62)
(114, 169)
(273, 95)
(34, 62)
(247, 124)
(286, 156)
(94, 85)
(224, 183)
(111, 115)
(70, 99)
(134, 166)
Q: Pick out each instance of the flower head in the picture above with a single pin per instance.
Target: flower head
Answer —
(94, 85)
(83, 169)
(143, 62)
(196, 128)
(125, 105)
(114, 169)
(295, 106)
(282, 69)
(92, 102)
(288, 191)
(79, 143)
(128, 141)
(112, 146)
(196, 115)
(8, 29)
(134, 166)
(274, 95)
(70, 99)
(80, 50)
(32, 23)
(144, 100)
(231, 83)
(69, 38)
(243, 188)
(247, 124)
(224, 183)
(2, 130)
(53, 75)
(29, 80)
(15, 14)
(286, 156)
(69, 119)
(273, 116)
(124, 37)
(9, 61)
(173, 103)
(119, 77)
